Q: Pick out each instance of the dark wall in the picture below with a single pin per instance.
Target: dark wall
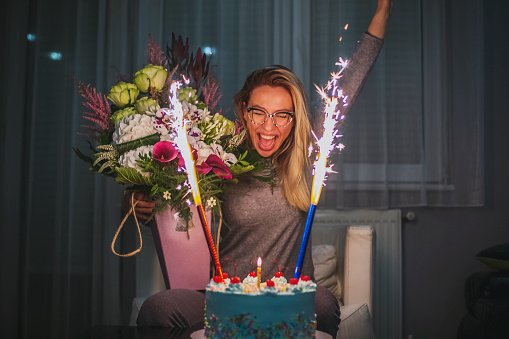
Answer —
(441, 244)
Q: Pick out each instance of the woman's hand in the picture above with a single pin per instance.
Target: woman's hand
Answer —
(378, 24)
(143, 208)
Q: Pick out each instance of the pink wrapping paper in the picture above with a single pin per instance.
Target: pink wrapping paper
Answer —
(185, 262)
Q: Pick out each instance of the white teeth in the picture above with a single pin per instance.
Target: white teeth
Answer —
(268, 137)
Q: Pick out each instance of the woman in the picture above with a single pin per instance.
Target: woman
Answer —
(268, 220)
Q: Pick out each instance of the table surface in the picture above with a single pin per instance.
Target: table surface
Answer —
(134, 332)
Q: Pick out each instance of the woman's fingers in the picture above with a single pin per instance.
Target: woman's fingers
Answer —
(143, 205)
(144, 208)
(141, 197)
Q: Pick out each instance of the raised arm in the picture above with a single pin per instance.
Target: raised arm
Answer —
(363, 59)
(378, 24)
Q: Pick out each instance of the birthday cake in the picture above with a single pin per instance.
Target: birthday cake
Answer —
(276, 309)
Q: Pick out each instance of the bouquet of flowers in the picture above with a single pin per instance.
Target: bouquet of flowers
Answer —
(136, 131)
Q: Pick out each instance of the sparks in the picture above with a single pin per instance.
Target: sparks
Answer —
(333, 99)
(310, 149)
(325, 145)
(342, 63)
(179, 126)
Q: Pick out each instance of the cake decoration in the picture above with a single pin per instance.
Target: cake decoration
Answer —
(272, 310)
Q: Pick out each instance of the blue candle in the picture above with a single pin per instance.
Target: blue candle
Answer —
(305, 237)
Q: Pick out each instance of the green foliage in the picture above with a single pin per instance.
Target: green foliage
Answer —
(106, 138)
(146, 141)
(127, 175)
(95, 166)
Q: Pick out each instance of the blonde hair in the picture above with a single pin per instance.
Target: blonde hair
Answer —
(291, 160)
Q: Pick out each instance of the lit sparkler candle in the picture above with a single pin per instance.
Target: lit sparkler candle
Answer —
(325, 145)
(180, 140)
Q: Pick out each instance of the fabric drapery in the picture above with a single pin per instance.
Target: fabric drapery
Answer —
(409, 139)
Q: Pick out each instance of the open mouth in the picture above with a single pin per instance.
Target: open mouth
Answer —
(266, 142)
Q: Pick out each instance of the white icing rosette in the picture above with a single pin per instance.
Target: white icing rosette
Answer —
(303, 286)
(235, 288)
(279, 281)
(218, 287)
(250, 280)
(305, 283)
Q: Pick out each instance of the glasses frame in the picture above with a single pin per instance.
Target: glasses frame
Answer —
(267, 115)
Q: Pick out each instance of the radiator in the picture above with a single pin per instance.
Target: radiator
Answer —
(387, 313)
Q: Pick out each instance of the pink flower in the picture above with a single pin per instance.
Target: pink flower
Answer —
(215, 164)
(164, 151)
(182, 163)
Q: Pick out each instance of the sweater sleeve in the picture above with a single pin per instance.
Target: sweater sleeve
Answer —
(359, 67)
(355, 74)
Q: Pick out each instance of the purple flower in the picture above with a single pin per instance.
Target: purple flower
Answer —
(164, 151)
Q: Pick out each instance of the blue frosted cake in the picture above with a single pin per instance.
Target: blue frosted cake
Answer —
(277, 309)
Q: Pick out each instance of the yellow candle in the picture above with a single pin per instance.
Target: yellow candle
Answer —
(259, 272)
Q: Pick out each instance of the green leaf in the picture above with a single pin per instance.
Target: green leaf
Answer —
(236, 169)
(97, 167)
(146, 141)
(83, 156)
(127, 175)
(106, 138)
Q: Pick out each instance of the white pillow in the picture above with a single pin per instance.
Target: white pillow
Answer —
(325, 262)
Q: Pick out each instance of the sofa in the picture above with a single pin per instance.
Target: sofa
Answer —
(343, 257)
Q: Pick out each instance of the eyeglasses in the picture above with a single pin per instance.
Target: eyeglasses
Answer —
(258, 117)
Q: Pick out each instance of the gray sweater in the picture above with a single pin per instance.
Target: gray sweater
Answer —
(261, 223)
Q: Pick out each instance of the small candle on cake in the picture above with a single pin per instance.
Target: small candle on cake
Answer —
(259, 271)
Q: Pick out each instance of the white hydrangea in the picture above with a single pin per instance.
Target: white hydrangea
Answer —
(133, 127)
(128, 159)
